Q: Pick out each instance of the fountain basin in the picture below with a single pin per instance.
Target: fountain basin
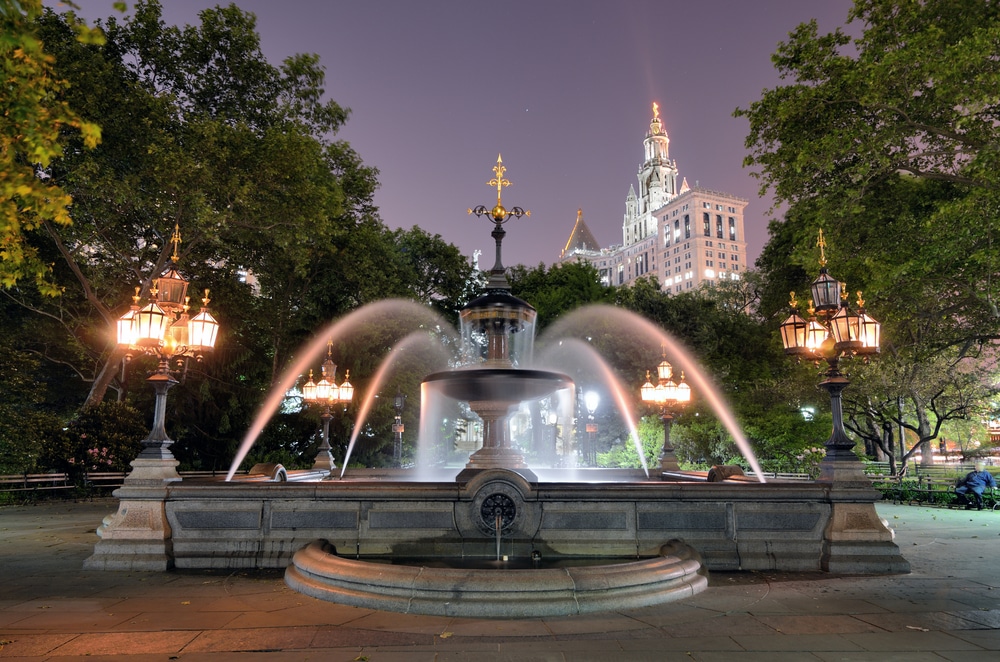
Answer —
(675, 574)
(508, 385)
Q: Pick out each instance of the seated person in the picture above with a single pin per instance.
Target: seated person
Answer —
(975, 482)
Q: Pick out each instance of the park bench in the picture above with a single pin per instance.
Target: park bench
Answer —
(933, 485)
(877, 469)
(35, 483)
(928, 485)
(96, 481)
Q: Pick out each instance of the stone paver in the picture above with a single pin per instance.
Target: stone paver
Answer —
(948, 608)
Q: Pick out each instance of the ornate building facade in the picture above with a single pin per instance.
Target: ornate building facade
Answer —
(685, 236)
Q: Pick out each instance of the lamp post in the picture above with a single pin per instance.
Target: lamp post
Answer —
(670, 396)
(397, 427)
(162, 328)
(832, 332)
(552, 451)
(138, 535)
(326, 393)
(591, 399)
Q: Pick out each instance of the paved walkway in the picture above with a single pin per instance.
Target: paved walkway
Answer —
(50, 609)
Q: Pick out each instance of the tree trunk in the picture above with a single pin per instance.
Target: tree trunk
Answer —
(923, 433)
(99, 387)
(883, 452)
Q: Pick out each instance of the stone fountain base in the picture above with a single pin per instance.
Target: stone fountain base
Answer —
(793, 525)
(371, 518)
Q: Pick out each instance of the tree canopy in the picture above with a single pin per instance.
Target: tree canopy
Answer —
(556, 290)
(890, 137)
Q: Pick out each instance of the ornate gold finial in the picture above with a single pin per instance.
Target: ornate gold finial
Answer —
(843, 292)
(205, 300)
(499, 180)
(175, 239)
(499, 214)
(861, 302)
(821, 243)
(656, 111)
(135, 297)
(793, 302)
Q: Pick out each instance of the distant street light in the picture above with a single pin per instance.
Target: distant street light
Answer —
(163, 329)
(832, 332)
(326, 393)
(670, 396)
(591, 399)
(397, 428)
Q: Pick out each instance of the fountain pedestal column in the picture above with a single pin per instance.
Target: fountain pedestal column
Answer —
(496, 452)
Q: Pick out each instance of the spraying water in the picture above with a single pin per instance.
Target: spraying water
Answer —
(573, 347)
(416, 341)
(407, 314)
(410, 317)
(615, 320)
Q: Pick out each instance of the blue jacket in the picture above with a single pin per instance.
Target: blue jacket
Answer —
(980, 480)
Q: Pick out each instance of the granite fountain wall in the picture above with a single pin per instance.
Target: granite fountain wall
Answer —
(790, 526)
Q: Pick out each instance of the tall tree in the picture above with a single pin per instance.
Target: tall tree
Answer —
(889, 142)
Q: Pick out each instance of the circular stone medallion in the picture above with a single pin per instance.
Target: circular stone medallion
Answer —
(497, 505)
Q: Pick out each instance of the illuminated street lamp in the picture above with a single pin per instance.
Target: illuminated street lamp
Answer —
(591, 399)
(397, 428)
(326, 393)
(670, 396)
(163, 329)
(832, 332)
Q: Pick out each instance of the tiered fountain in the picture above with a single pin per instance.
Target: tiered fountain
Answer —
(496, 541)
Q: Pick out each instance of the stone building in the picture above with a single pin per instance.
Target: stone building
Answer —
(683, 235)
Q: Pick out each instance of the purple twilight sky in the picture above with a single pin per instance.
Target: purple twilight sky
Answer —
(562, 88)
